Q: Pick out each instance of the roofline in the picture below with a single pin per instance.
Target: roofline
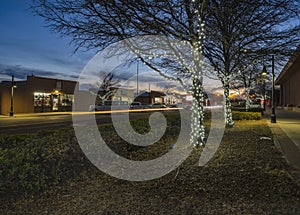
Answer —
(290, 62)
(50, 78)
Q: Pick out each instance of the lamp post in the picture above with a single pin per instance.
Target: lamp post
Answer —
(264, 74)
(137, 77)
(273, 115)
(11, 113)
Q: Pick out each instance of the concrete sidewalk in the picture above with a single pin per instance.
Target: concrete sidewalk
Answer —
(287, 135)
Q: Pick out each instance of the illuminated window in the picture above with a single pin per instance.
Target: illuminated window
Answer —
(67, 100)
(42, 99)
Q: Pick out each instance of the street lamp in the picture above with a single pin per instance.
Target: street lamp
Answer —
(273, 115)
(264, 72)
(11, 113)
(137, 78)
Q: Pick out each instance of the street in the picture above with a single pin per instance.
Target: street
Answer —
(30, 123)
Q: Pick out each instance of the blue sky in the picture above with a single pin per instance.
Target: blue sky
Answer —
(28, 47)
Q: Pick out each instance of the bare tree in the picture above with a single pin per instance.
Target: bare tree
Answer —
(239, 32)
(246, 79)
(98, 24)
(231, 26)
(106, 87)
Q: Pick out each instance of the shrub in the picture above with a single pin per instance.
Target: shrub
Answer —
(243, 109)
(239, 115)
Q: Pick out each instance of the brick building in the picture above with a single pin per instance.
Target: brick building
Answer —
(289, 80)
(37, 94)
(147, 98)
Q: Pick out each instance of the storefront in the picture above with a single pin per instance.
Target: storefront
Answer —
(46, 102)
(37, 94)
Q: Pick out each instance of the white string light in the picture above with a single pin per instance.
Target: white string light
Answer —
(198, 129)
(197, 137)
(227, 107)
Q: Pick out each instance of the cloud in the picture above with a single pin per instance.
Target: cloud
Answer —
(21, 72)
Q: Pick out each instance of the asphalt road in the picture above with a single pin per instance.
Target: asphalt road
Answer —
(35, 122)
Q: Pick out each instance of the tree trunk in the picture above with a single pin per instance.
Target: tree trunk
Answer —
(227, 105)
(247, 91)
(197, 124)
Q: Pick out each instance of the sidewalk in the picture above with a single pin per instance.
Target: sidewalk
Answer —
(287, 135)
(36, 114)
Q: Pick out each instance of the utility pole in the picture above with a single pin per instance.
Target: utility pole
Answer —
(137, 77)
(11, 113)
(273, 115)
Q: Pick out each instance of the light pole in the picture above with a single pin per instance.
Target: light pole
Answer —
(137, 77)
(11, 113)
(273, 115)
(264, 74)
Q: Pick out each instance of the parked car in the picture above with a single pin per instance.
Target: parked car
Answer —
(109, 105)
(158, 105)
(172, 105)
(184, 106)
(255, 105)
(96, 107)
(137, 105)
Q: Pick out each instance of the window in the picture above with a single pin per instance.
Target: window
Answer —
(66, 100)
(42, 99)
(124, 92)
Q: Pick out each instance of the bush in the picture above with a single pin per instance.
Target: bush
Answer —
(239, 115)
(243, 109)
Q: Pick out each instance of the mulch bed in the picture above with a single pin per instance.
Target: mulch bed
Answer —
(246, 176)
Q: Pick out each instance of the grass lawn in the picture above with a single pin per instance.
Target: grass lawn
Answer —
(246, 176)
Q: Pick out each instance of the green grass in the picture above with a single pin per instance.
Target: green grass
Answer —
(35, 162)
(47, 172)
(246, 176)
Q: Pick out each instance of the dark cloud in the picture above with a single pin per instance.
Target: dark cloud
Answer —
(21, 72)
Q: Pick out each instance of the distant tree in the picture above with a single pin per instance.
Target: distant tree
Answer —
(168, 90)
(246, 79)
(239, 33)
(106, 87)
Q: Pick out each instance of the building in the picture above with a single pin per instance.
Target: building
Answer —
(288, 80)
(37, 94)
(114, 94)
(147, 98)
(123, 94)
